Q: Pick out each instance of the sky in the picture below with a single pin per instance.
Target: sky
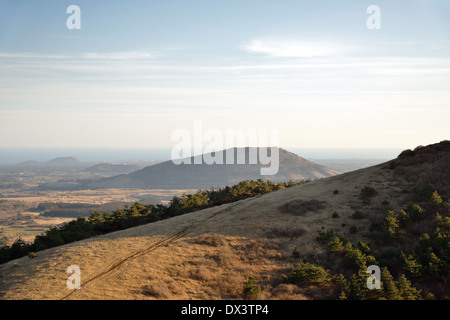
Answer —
(137, 71)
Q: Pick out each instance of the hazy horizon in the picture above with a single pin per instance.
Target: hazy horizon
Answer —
(18, 155)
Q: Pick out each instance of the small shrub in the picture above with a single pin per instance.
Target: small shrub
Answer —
(386, 206)
(436, 198)
(213, 240)
(425, 193)
(32, 255)
(335, 215)
(410, 265)
(442, 222)
(324, 236)
(364, 248)
(286, 232)
(159, 289)
(306, 271)
(403, 217)
(295, 253)
(406, 290)
(251, 289)
(353, 229)
(357, 215)
(336, 246)
(202, 273)
(300, 207)
(336, 191)
(356, 258)
(391, 224)
(375, 226)
(368, 192)
(430, 296)
(416, 212)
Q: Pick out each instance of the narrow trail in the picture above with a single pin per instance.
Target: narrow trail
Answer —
(163, 242)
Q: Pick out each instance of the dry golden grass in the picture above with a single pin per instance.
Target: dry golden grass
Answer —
(208, 254)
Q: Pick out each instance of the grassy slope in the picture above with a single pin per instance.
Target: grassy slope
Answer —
(184, 267)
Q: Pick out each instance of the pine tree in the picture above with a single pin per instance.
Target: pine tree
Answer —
(364, 247)
(435, 265)
(391, 224)
(416, 212)
(442, 222)
(295, 253)
(358, 287)
(390, 290)
(436, 198)
(410, 265)
(251, 289)
(95, 217)
(336, 246)
(343, 286)
(406, 291)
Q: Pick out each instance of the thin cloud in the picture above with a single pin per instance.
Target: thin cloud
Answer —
(294, 48)
(32, 55)
(128, 55)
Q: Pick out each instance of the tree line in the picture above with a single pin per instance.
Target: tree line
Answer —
(99, 223)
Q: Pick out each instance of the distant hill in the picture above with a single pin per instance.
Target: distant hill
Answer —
(64, 161)
(30, 163)
(170, 175)
(110, 168)
(57, 162)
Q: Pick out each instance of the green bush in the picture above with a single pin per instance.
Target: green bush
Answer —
(306, 271)
(336, 246)
(357, 215)
(368, 192)
(436, 198)
(357, 258)
(391, 224)
(425, 193)
(415, 212)
(324, 236)
(364, 248)
(251, 289)
(410, 265)
(397, 290)
(295, 253)
(442, 222)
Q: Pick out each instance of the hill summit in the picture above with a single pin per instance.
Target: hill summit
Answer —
(195, 172)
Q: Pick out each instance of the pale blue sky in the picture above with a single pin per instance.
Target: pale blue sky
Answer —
(138, 70)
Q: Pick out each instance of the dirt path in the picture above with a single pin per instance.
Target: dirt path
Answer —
(163, 242)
